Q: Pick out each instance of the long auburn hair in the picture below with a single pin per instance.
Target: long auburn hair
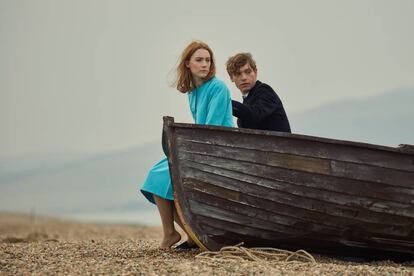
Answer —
(184, 81)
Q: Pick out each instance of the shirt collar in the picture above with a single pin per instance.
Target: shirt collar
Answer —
(254, 86)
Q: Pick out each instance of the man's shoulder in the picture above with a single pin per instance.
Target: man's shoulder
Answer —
(264, 87)
(263, 90)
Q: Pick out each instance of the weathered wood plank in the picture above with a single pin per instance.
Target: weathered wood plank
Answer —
(320, 183)
(348, 153)
(264, 176)
(252, 237)
(289, 212)
(306, 164)
(294, 224)
(222, 213)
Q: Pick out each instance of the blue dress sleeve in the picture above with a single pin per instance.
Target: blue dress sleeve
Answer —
(218, 105)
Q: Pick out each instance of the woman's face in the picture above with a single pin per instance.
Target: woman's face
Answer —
(199, 64)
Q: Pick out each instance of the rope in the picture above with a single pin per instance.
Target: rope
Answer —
(258, 254)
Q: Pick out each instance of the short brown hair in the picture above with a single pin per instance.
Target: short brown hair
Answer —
(184, 81)
(237, 61)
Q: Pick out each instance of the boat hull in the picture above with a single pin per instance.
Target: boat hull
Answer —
(291, 191)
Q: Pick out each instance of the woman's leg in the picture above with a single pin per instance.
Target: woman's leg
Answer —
(180, 223)
(166, 210)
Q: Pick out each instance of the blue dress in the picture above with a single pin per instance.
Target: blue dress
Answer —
(210, 104)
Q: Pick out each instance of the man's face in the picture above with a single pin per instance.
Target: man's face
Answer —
(245, 79)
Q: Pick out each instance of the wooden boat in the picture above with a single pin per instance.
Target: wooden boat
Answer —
(291, 191)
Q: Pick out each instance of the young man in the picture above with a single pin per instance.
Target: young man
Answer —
(261, 107)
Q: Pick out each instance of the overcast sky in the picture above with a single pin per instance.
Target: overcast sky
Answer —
(82, 76)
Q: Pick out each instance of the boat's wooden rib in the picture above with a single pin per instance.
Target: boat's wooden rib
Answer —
(291, 191)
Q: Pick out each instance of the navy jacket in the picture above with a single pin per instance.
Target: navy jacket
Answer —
(261, 109)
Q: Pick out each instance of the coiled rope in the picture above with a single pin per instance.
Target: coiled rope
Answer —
(259, 254)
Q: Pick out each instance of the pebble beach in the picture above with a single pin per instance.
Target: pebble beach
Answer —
(49, 246)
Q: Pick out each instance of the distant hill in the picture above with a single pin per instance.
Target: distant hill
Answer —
(93, 185)
(387, 119)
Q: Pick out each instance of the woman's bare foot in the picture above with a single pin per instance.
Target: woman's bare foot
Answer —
(170, 239)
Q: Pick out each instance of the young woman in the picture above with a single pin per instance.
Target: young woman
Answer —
(210, 104)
